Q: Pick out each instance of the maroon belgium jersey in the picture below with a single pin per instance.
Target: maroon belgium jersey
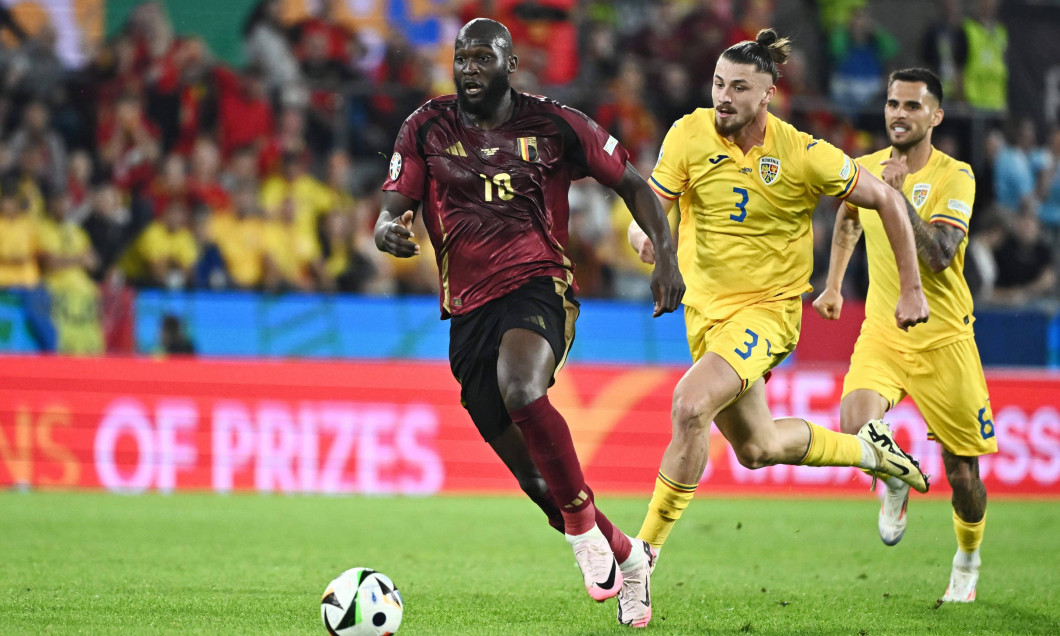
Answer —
(495, 201)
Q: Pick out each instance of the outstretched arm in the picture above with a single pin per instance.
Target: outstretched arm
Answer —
(393, 228)
(870, 192)
(667, 286)
(845, 236)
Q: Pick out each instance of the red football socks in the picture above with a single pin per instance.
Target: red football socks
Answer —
(552, 449)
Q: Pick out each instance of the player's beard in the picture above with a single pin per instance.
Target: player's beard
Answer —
(489, 100)
(730, 126)
(909, 142)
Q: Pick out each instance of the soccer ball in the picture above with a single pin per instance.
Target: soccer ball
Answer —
(361, 602)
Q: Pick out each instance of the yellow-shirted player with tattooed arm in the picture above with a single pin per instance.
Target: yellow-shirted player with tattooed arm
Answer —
(748, 183)
(937, 364)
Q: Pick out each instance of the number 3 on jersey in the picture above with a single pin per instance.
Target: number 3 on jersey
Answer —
(502, 182)
(741, 206)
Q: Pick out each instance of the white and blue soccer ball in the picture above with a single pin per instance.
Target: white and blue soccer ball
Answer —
(361, 602)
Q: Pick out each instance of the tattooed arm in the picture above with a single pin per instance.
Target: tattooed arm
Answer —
(845, 236)
(936, 243)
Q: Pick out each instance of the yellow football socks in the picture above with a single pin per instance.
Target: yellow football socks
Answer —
(969, 535)
(667, 503)
(829, 448)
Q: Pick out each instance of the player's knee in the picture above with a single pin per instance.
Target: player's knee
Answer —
(689, 416)
(518, 395)
(690, 413)
(753, 455)
(962, 479)
(533, 485)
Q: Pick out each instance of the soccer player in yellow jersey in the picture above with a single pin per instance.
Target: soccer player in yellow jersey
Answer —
(936, 364)
(747, 184)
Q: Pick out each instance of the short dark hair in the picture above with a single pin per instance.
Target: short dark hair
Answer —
(932, 81)
(487, 30)
(766, 53)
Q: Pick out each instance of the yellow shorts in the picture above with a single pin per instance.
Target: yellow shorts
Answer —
(947, 385)
(753, 341)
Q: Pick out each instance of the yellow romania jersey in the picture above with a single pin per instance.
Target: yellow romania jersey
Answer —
(942, 192)
(745, 233)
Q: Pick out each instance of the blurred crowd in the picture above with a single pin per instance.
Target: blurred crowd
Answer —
(156, 164)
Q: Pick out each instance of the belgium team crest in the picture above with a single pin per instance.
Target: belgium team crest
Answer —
(920, 194)
(528, 148)
(769, 169)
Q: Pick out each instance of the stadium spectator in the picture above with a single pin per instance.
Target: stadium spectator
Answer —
(1025, 268)
(35, 71)
(623, 113)
(241, 167)
(598, 65)
(589, 238)
(165, 252)
(67, 258)
(1017, 166)
(170, 183)
(757, 15)
(858, 54)
(19, 264)
(987, 231)
(111, 227)
(654, 40)
(402, 83)
(326, 78)
(204, 185)
(546, 29)
(35, 131)
(944, 48)
(268, 48)
(173, 338)
(184, 99)
(1049, 186)
(311, 199)
(128, 143)
(673, 97)
(704, 32)
(30, 173)
(67, 255)
(289, 137)
(244, 112)
(19, 239)
(339, 41)
(293, 259)
(240, 237)
(351, 257)
(79, 182)
(985, 76)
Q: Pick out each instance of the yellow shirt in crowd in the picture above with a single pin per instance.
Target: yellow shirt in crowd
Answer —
(156, 244)
(19, 248)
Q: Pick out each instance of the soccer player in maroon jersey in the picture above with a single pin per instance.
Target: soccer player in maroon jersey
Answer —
(492, 168)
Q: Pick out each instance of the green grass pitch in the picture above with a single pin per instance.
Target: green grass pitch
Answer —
(244, 564)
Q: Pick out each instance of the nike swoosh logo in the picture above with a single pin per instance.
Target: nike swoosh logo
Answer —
(610, 582)
(905, 471)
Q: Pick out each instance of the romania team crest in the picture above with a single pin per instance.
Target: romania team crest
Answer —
(920, 194)
(769, 169)
(528, 148)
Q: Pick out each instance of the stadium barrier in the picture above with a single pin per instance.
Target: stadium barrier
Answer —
(142, 424)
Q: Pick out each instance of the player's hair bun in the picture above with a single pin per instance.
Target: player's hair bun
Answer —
(779, 48)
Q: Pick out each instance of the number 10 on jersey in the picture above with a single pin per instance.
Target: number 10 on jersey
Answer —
(502, 183)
